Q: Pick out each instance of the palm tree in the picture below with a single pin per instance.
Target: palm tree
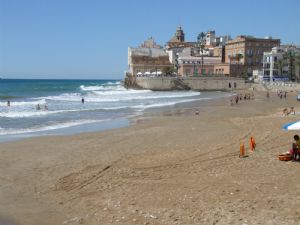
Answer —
(201, 44)
(280, 64)
(290, 58)
(238, 58)
(168, 70)
(297, 65)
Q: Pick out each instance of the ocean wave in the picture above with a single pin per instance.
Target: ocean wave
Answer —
(157, 105)
(12, 131)
(139, 95)
(105, 86)
(119, 95)
(90, 88)
(64, 97)
(121, 92)
(22, 103)
(26, 114)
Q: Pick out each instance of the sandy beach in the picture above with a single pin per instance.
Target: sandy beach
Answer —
(167, 168)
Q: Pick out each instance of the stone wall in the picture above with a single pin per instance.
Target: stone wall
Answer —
(193, 83)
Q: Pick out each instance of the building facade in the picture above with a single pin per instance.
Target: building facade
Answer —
(194, 66)
(282, 63)
(248, 52)
(272, 71)
(147, 59)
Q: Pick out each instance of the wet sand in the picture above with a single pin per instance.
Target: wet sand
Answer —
(169, 168)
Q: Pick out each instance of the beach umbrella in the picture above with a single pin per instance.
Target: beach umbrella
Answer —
(292, 126)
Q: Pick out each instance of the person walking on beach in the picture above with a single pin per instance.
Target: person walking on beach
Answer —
(82, 100)
(236, 99)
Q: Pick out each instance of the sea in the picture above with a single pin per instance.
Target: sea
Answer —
(55, 107)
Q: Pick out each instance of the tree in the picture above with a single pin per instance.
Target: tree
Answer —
(238, 58)
(168, 70)
(290, 56)
(297, 65)
(201, 44)
(280, 64)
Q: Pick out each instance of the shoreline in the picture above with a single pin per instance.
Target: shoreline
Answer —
(174, 168)
(101, 125)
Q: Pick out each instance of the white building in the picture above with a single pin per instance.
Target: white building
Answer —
(277, 64)
(272, 70)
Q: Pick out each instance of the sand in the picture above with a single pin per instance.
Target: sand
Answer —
(168, 168)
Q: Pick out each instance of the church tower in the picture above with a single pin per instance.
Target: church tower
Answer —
(179, 34)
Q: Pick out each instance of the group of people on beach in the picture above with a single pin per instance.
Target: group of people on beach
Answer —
(239, 97)
(286, 111)
(39, 107)
(45, 108)
(281, 94)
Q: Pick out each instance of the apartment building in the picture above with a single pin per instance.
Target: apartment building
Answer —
(248, 52)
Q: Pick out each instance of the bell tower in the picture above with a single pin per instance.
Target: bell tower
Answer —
(179, 34)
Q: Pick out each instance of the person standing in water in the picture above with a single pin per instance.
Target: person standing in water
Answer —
(8, 103)
(82, 100)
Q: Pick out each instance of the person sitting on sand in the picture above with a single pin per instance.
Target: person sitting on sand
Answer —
(295, 151)
(292, 111)
(285, 112)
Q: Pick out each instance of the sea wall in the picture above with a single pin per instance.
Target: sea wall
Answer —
(193, 83)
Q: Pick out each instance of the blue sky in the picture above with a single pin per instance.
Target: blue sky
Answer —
(89, 38)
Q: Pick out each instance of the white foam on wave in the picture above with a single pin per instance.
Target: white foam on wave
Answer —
(24, 103)
(64, 97)
(157, 105)
(16, 114)
(90, 88)
(12, 131)
(138, 95)
(119, 94)
(105, 86)
(24, 114)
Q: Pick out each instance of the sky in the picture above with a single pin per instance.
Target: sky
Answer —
(89, 39)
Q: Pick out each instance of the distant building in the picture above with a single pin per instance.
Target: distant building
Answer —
(271, 68)
(212, 40)
(248, 52)
(150, 43)
(149, 58)
(258, 75)
(190, 65)
(176, 45)
(281, 63)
